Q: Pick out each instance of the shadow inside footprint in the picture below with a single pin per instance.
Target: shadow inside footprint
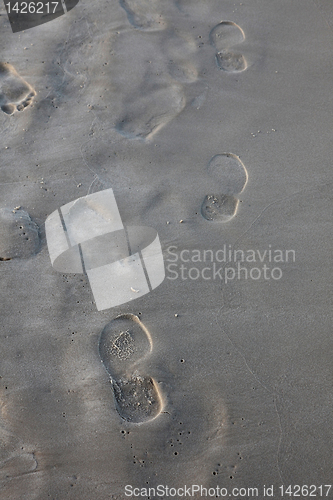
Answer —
(15, 92)
(230, 175)
(123, 345)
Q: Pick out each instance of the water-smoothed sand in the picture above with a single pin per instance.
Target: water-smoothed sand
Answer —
(212, 124)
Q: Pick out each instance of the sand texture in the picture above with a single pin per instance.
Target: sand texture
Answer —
(211, 121)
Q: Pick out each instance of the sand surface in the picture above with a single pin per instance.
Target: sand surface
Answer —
(212, 123)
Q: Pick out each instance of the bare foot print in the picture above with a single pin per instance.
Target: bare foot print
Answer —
(230, 176)
(19, 235)
(144, 14)
(123, 345)
(156, 106)
(15, 93)
(222, 37)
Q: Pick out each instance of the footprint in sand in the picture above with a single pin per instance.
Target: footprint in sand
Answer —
(19, 235)
(16, 457)
(17, 465)
(225, 35)
(144, 14)
(183, 71)
(15, 92)
(124, 344)
(155, 106)
(230, 176)
(179, 50)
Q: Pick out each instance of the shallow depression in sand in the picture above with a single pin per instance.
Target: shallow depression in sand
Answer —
(230, 176)
(220, 208)
(144, 14)
(19, 235)
(16, 465)
(124, 343)
(225, 35)
(228, 172)
(15, 92)
(229, 61)
(147, 114)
